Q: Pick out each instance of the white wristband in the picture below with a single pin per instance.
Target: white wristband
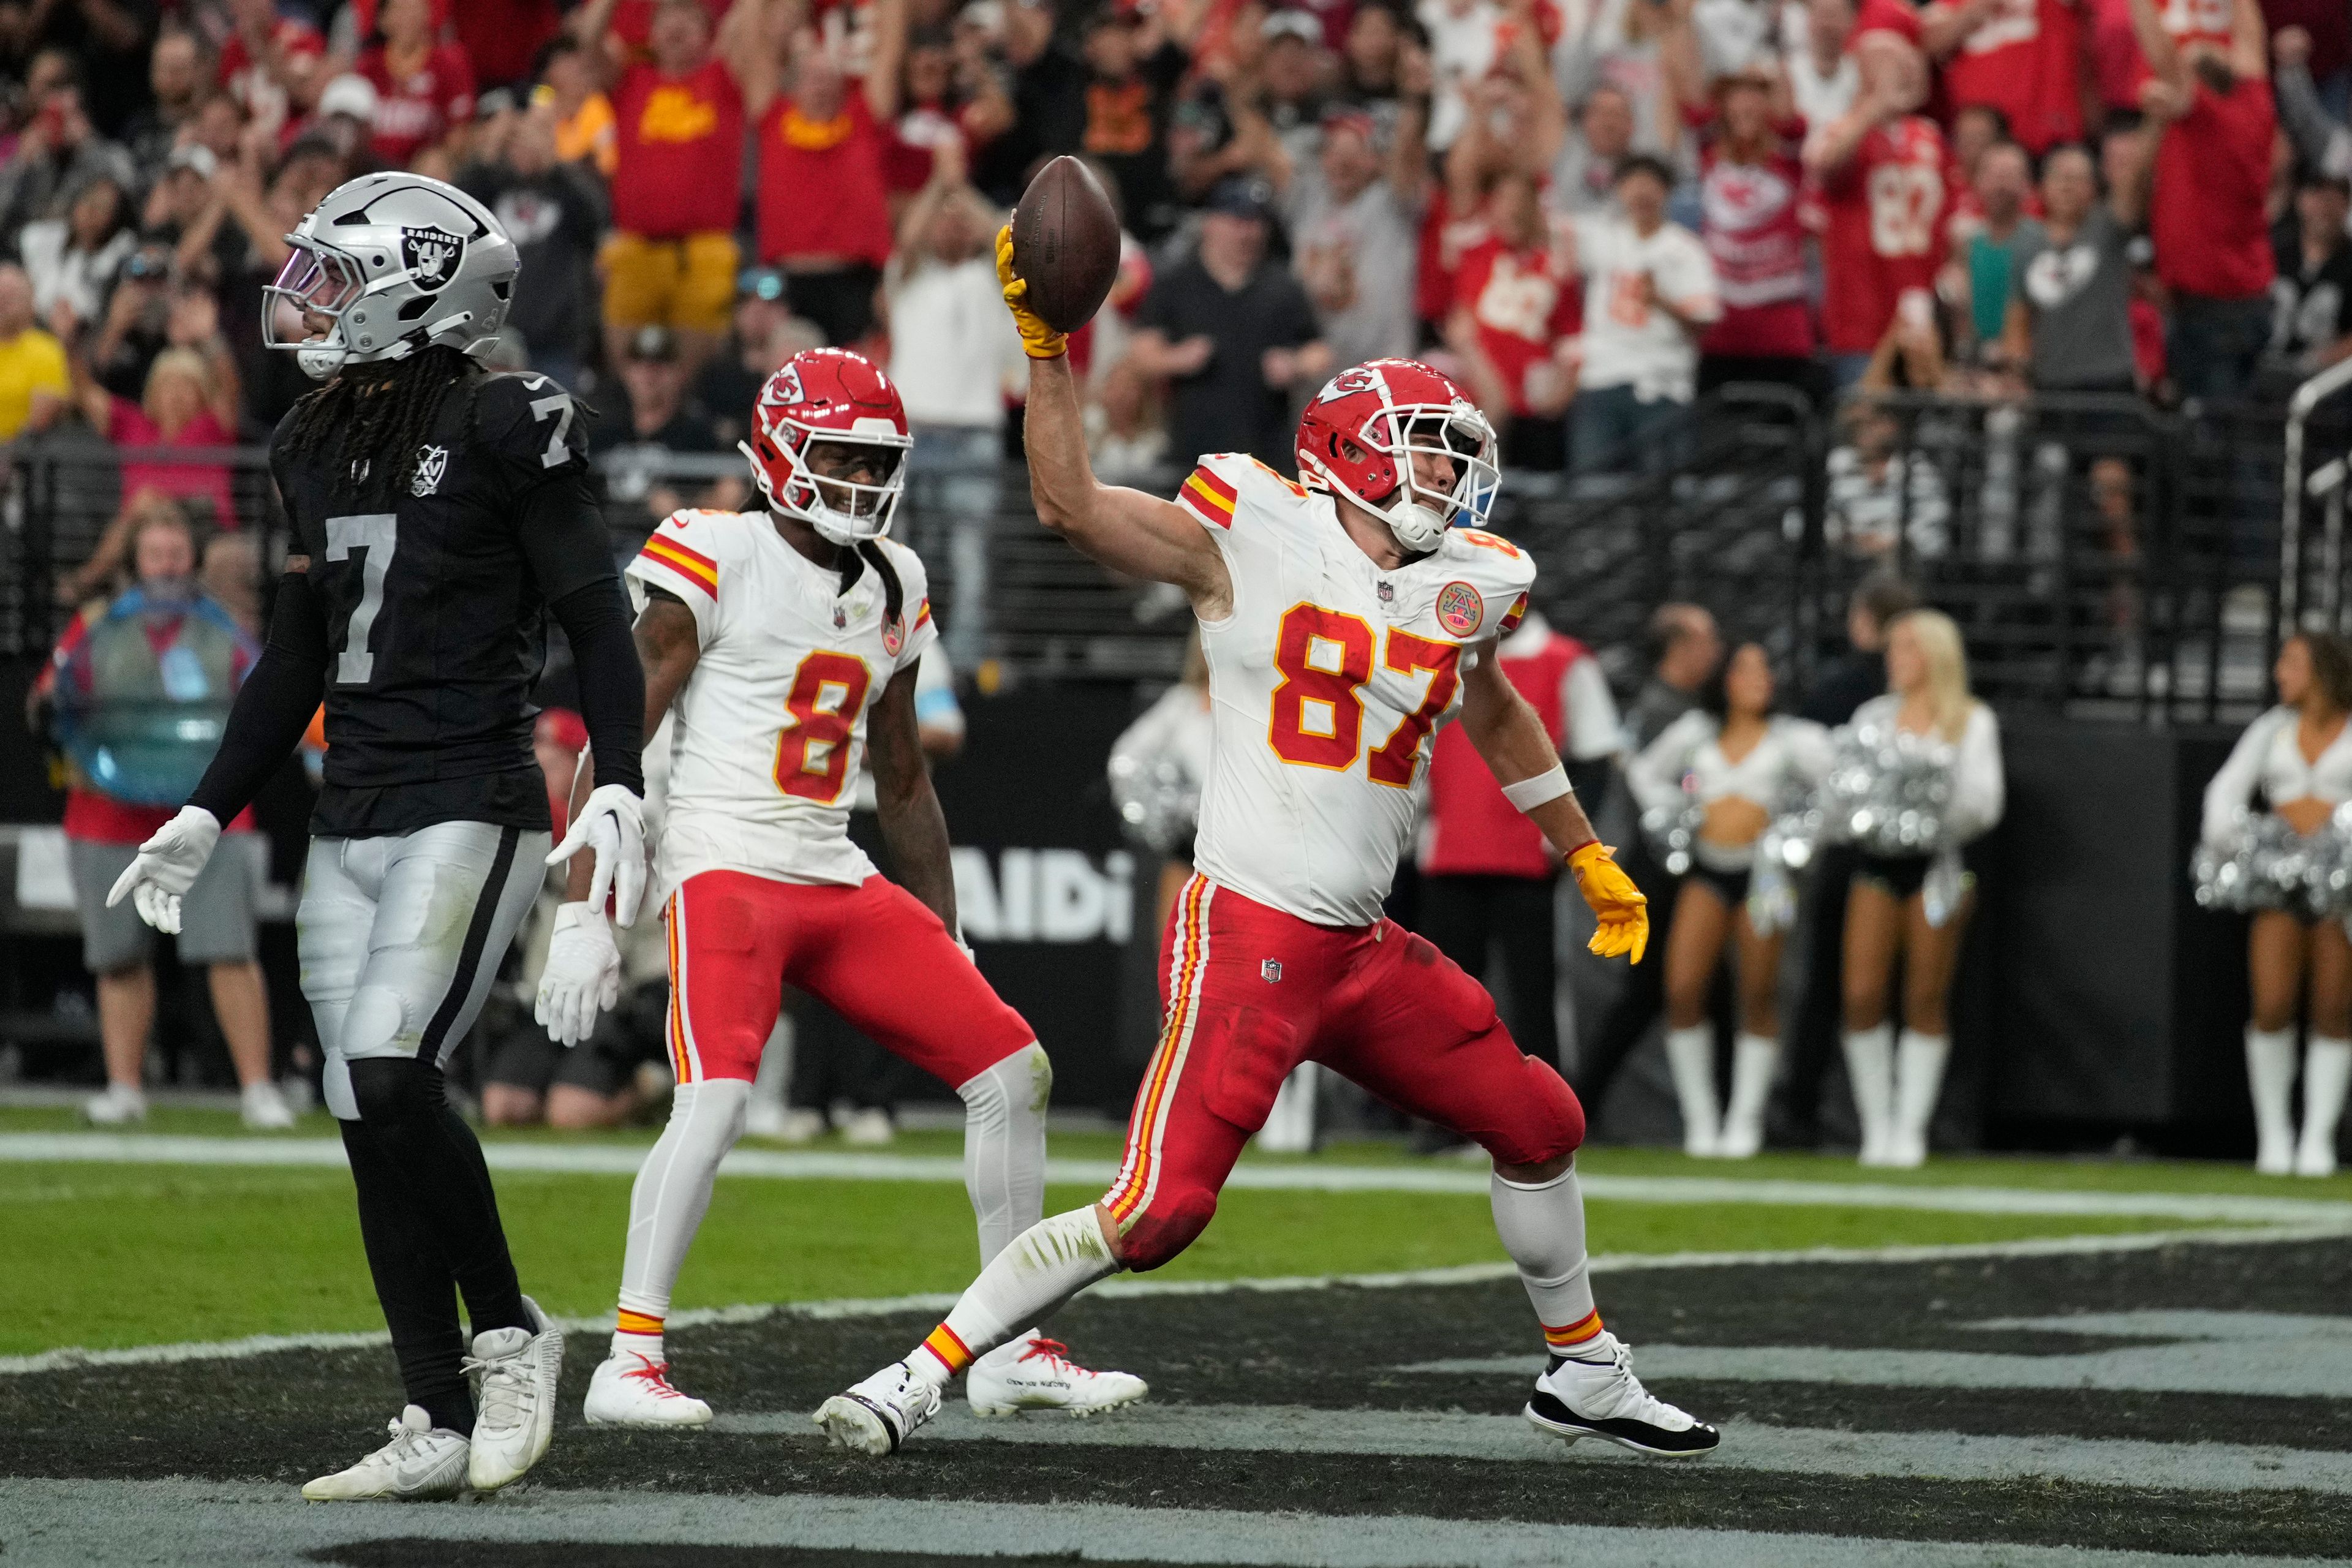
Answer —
(1529, 794)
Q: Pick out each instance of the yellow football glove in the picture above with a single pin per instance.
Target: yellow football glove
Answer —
(1624, 912)
(1038, 341)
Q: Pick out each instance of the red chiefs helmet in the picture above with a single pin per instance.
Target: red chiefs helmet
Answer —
(1358, 437)
(832, 399)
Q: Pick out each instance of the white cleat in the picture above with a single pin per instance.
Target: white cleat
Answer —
(514, 1373)
(118, 1107)
(1596, 1395)
(1037, 1373)
(879, 1415)
(2312, 1158)
(868, 1128)
(628, 1390)
(422, 1462)
(263, 1109)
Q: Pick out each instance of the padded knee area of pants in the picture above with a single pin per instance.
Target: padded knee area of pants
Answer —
(1547, 1121)
(1172, 1223)
(1022, 1080)
(376, 1024)
(393, 1090)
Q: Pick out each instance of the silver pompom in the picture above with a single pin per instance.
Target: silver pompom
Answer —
(2264, 864)
(1159, 800)
(1672, 833)
(1888, 792)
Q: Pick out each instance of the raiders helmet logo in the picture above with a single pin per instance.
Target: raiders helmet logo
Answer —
(432, 462)
(432, 256)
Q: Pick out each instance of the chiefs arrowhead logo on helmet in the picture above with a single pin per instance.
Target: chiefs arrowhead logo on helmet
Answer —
(831, 408)
(1402, 441)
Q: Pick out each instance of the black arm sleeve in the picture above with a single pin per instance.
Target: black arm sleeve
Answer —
(596, 619)
(275, 705)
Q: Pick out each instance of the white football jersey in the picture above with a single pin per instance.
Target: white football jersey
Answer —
(767, 736)
(1325, 682)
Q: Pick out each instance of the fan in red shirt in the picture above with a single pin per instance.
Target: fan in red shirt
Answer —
(824, 214)
(1751, 182)
(1881, 170)
(1515, 314)
(2212, 104)
(2023, 58)
(678, 175)
(424, 88)
(268, 61)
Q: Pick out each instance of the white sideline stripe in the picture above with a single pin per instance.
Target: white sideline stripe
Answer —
(205, 1524)
(1460, 1274)
(614, 1160)
(1746, 1446)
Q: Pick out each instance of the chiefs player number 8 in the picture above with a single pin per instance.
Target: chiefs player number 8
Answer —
(1319, 714)
(813, 750)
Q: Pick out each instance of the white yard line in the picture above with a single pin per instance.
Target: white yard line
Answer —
(1746, 1446)
(614, 1160)
(1130, 1286)
(202, 1525)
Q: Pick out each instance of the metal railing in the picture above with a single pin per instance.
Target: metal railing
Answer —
(2103, 558)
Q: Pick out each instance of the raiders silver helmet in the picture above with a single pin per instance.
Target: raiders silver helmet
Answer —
(391, 262)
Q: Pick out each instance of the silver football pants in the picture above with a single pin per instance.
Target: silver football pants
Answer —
(402, 937)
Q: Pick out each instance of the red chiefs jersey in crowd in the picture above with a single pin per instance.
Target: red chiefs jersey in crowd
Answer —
(1521, 304)
(681, 152)
(1471, 829)
(822, 185)
(2205, 215)
(1885, 212)
(1754, 232)
(417, 110)
(2025, 61)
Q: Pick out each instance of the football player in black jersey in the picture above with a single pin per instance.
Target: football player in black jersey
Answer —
(440, 514)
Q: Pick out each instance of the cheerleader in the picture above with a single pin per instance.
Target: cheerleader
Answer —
(2299, 754)
(1913, 907)
(1739, 760)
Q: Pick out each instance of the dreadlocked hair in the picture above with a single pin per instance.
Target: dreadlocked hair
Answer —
(372, 412)
(894, 598)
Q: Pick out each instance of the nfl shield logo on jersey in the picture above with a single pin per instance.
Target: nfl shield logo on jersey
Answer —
(1459, 608)
(1270, 968)
(431, 255)
(432, 462)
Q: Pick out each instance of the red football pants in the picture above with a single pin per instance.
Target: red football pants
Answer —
(1251, 992)
(875, 953)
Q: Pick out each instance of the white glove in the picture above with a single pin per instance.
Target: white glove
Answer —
(583, 974)
(166, 866)
(611, 822)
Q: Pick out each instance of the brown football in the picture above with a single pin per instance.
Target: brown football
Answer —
(1066, 244)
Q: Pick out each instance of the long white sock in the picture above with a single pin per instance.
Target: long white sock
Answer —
(1919, 1064)
(1027, 1282)
(1870, 1067)
(667, 1204)
(2270, 1074)
(1542, 1227)
(1005, 1146)
(1755, 1059)
(1690, 1053)
(2326, 1074)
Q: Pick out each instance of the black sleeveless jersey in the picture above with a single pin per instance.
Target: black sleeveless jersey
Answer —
(436, 600)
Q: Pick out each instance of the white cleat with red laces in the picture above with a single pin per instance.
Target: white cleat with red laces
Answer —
(631, 1390)
(1034, 1372)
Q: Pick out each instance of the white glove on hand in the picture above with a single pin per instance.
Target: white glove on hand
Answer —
(583, 976)
(166, 866)
(611, 822)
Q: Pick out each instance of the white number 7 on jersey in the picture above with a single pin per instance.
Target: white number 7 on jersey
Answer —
(560, 405)
(377, 535)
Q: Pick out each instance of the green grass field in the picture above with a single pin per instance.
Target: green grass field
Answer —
(139, 1254)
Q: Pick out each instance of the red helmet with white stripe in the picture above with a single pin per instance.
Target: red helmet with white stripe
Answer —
(1361, 432)
(829, 444)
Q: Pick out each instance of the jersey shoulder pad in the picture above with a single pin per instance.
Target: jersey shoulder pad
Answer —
(1489, 559)
(1231, 486)
(1500, 575)
(913, 575)
(530, 425)
(691, 548)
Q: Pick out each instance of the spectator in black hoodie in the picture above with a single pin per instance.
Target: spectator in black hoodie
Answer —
(556, 215)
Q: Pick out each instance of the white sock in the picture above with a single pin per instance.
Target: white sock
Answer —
(1918, 1083)
(2270, 1074)
(1542, 1227)
(646, 1345)
(1755, 1059)
(2326, 1074)
(1290, 1123)
(1690, 1053)
(1027, 1282)
(672, 1192)
(1870, 1067)
(1005, 1146)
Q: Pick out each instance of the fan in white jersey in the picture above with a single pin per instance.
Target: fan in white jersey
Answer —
(1344, 619)
(783, 645)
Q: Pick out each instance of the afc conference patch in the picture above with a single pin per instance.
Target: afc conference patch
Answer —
(1460, 610)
